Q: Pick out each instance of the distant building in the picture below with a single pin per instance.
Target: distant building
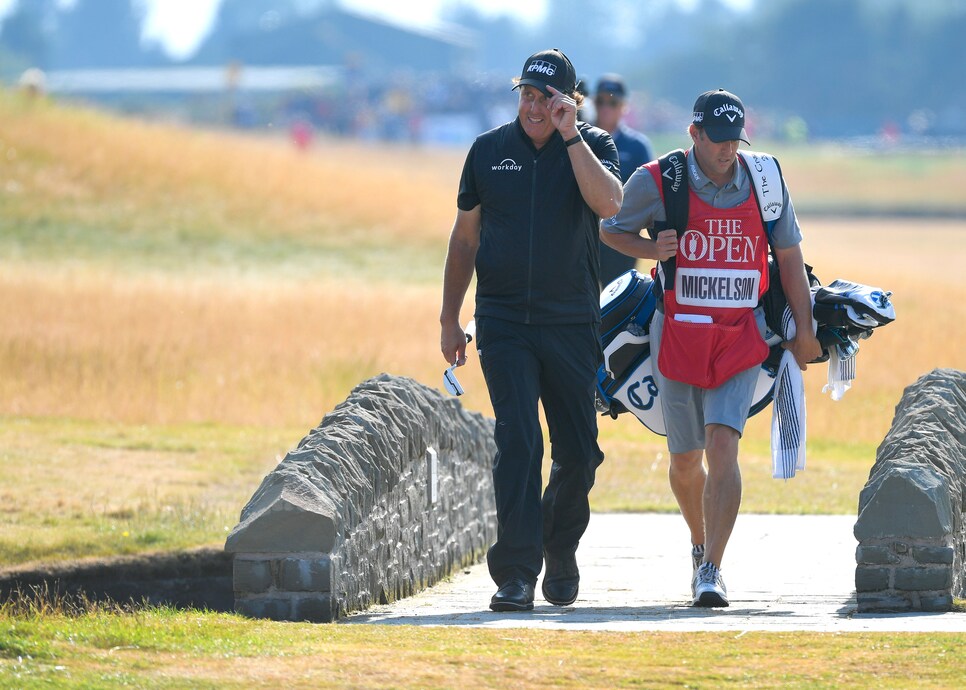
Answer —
(373, 46)
(338, 70)
(191, 80)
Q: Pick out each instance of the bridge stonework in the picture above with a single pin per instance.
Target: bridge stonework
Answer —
(391, 493)
(911, 531)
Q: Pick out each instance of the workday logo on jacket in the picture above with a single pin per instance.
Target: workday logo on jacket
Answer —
(507, 165)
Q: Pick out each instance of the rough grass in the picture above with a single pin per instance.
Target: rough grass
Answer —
(180, 307)
(73, 488)
(79, 185)
(94, 646)
(160, 348)
(831, 177)
(173, 347)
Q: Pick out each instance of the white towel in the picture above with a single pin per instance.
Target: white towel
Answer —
(841, 373)
(788, 408)
(788, 420)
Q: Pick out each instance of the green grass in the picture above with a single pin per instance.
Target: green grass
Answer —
(95, 646)
(830, 177)
(45, 240)
(633, 477)
(76, 488)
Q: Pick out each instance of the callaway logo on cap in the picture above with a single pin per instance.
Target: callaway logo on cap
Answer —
(722, 116)
(549, 68)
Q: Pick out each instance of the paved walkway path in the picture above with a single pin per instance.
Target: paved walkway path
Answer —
(782, 573)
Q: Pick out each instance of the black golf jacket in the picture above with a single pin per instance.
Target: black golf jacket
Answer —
(538, 261)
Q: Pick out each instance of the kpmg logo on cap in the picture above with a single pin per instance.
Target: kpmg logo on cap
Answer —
(698, 117)
(728, 108)
(543, 67)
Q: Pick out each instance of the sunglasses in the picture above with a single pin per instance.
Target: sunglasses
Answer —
(451, 383)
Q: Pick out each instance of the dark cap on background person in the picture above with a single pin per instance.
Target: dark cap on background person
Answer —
(722, 116)
(611, 85)
(549, 68)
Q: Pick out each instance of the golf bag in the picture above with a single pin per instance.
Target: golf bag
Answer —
(624, 380)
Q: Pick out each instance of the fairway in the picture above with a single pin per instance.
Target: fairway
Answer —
(160, 648)
(167, 336)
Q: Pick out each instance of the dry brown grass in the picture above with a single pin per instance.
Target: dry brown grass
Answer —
(164, 347)
(149, 325)
(84, 166)
(832, 176)
(922, 263)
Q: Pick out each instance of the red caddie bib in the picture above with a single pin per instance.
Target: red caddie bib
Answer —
(721, 272)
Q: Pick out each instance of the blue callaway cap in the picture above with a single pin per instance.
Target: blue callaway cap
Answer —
(549, 68)
(722, 115)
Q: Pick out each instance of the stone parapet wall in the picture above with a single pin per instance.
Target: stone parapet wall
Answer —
(911, 528)
(392, 492)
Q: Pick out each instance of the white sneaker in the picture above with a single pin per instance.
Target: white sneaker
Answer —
(709, 587)
(697, 558)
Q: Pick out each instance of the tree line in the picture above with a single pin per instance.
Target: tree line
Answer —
(841, 67)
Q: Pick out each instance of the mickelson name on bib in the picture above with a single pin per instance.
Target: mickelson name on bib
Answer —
(717, 287)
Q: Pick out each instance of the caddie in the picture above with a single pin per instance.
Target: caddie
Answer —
(708, 328)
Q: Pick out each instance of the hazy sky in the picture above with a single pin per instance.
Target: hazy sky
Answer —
(180, 25)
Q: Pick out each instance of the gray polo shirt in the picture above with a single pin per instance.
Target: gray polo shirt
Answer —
(643, 206)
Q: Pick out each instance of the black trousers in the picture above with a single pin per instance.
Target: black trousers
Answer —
(525, 365)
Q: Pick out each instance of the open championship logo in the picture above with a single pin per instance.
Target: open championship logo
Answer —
(694, 245)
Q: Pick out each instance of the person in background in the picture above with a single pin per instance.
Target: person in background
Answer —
(634, 150)
(708, 335)
(530, 200)
(585, 110)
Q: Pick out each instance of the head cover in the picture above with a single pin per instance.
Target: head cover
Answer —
(611, 85)
(722, 116)
(549, 68)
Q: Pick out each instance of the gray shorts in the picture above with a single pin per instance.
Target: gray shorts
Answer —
(688, 409)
